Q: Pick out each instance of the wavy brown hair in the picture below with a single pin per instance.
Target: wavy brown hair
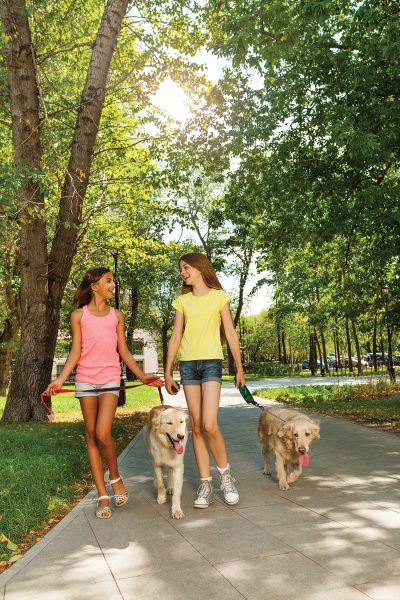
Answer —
(84, 294)
(203, 264)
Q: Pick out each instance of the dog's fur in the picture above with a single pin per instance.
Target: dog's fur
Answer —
(288, 433)
(166, 430)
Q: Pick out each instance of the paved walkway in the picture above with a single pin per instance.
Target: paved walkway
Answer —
(335, 535)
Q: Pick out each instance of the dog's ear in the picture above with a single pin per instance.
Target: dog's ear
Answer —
(286, 431)
(156, 421)
(315, 429)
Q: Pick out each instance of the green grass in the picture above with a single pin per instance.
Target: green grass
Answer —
(44, 467)
(374, 402)
(144, 396)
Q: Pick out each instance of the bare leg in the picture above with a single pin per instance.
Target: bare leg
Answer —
(194, 402)
(89, 406)
(105, 416)
(211, 391)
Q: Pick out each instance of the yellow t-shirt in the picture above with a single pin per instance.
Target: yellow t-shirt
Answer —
(201, 336)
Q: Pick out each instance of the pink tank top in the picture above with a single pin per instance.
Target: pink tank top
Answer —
(99, 360)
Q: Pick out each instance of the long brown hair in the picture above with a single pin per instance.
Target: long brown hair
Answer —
(84, 293)
(203, 264)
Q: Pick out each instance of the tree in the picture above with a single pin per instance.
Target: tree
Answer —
(44, 274)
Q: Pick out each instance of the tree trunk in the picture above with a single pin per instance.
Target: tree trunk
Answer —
(7, 343)
(164, 340)
(358, 350)
(324, 351)
(284, 353)
(132, 326)
(375, 346)
(339, 361)
(279, 344)
(312, 362)
(43, 278)
(321, 362)
(349, 345)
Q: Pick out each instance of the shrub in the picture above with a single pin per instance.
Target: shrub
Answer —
(269, 369)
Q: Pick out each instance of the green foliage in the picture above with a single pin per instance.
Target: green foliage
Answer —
(270, 369)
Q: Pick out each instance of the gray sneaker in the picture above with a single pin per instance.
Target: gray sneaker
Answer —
(231, 494)
(205, 494)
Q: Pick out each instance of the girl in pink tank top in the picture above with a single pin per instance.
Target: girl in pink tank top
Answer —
(98, 345)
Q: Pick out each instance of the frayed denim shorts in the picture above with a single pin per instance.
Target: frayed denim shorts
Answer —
(94, 389)
(196, 372)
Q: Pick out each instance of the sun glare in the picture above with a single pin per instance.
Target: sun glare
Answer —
(171, 98)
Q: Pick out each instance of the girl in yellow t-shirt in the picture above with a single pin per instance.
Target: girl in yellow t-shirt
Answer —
(199, 312)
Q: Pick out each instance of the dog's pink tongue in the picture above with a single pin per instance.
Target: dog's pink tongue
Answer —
(304, 460)
(178, 447)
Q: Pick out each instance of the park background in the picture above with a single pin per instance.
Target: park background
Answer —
(265, 135)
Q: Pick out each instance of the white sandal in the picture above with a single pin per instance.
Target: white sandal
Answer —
(105, 512)
(120, 499)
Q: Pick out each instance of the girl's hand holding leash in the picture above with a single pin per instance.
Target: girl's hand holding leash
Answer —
(170, 385)
(240, 378)
(152, 380)
(53, 387)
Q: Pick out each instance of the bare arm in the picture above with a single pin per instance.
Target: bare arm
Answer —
(127, 357)
(73, 356)
(233, 342)
(173, 348)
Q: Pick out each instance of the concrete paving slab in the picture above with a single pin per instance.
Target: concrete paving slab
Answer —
(198, 583)
(284, 577)
(357, 563)
(334, 535)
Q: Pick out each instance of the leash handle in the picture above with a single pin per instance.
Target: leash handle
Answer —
(248, 396)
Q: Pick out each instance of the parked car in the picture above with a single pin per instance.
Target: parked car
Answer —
(369, 358)
(305, 363)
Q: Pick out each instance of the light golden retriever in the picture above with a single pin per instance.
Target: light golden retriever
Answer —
(289, 434)
(166, 437)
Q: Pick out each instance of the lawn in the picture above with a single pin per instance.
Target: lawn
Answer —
(44, 468)
(376, 404)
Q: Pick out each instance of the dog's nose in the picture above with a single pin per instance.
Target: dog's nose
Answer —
(180, 436)
(302, 450)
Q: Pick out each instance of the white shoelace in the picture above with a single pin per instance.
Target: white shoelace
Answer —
(227, 483)
(204, 489)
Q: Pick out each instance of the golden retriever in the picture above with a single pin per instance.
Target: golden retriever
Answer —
(166, 437)
(289, 434)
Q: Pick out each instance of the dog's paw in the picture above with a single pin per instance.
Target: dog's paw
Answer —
(292, 477)
(177, 514)
(170, 491)
(162, 498)
(283, 486)
(267, 471)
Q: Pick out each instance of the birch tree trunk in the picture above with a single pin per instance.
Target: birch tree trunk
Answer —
(43, 276)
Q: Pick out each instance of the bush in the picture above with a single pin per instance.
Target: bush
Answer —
(309, 395)
(271, 369)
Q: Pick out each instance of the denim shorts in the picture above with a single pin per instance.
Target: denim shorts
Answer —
(85, 389)
(196, 372)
